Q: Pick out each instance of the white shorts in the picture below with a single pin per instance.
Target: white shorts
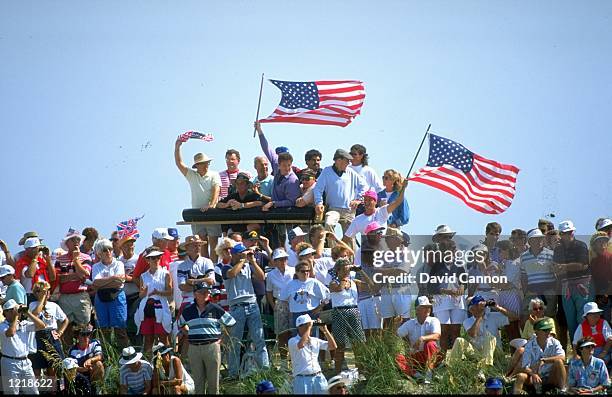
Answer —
(396, 304)
(207, 230)
(451, 316)
(371, 317)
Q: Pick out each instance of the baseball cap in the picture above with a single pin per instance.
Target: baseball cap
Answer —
(603, 223)
(341, 153)
(303, 319)
(494, 383)
(534, 233)
(423, 301)
(371, 194)
(238, 248)
(32, 242)
(252, 235)
(306, 251)
(173, 233)
(476, 299)
(279, 253)
(6, 269)
(161, 233)
(295, 232)
(265, 386)
(566, 226)
(9, 304)
(153, 251)
(200, 287)
(281, 149)
(243, 175)
(373, 226)
(544, 324)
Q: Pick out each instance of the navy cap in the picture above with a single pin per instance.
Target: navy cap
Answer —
(494, 383)
(238, 248)
(282, 149)
(476, 299)
(200, 287)
(173, 233)
(265, 386)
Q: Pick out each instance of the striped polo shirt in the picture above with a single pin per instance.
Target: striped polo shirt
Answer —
(135, 380)
(205, 326)
(538, 269)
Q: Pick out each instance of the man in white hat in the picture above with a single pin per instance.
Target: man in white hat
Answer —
(304, 350)
(537, 272)
(135, 374)
(205, 186)
(338, 385)
(72, 269)
(81, 384)
(443, 232)
(597, 328)
(14, 289)
(604, 225)
(34, 265)
(294, 236)
(571, 258)
(16, 333)
(422, 334)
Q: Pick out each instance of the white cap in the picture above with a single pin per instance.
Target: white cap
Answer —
(604, 223)
(303, 319)
(70, 363)
(9, 304)
(590, 307)
(422, 301)
(337, 380)
(306, 251)
(535, 233)
(279, 253)
(161, 233)
(566, 226)
(32, 242)
(518, 342)
(6, 269)
(444, 229)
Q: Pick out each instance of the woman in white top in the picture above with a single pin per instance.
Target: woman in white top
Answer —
(108, 276)
(359, 164)
(153, 317)
(129, 259)
(346, 318)
(172, 377)
(47, 339)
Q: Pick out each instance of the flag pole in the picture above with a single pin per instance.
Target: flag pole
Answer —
(418, 151)
(258, 102)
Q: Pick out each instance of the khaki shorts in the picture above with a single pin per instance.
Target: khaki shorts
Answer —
(207, 230)
(77, 307)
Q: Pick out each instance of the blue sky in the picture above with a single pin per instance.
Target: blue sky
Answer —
(86, 84)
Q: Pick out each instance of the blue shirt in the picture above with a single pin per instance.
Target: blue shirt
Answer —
(592, 375)
(17, 292)
(240, 288)
(285, 188)
(205, 326)
(339, 190)
(265, 185)
(401, 215)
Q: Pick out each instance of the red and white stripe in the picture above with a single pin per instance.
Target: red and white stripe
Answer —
(489, 187)
(339, 103)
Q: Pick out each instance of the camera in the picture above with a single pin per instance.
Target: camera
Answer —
(490, 303)
(318, 323)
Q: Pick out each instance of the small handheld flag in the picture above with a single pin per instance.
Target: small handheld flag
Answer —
(196, 135)
(128, 228)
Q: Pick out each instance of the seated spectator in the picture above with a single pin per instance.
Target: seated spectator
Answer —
(393, 184)
(88, 353)
(47, 339)
(338, 385)
(597, 328)
(172, 377)
(422, 334)
(307, 375)
(482, 330)
(537, 307)
(543, 361)
(153, 317)
(108, 276)
(243, 197)
(135, 374)
(587, 374)
(75, 383)
(308, 178)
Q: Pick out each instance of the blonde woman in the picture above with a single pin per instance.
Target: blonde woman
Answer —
(392, 181)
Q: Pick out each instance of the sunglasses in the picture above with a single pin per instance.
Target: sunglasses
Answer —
(537, 309)
(303, 271)
(114, 240)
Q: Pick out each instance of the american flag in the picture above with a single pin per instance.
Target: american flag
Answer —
(128, 228)
(196, 135)
(318, 102)
(482, 184)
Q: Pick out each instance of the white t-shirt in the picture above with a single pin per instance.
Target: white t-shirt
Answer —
(100, 270)
(490, 324)
(276, 281)
(50, 315)
(321, 267)
(414, 330)
(360, 222)
(202, 186)
(304, 296)
(346, 297)
(606, 331)
(371, 177)
(128, 267)
(293, 258)
(305, 361)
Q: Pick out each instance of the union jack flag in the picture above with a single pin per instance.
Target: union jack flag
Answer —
(196, 135)
(128, 228)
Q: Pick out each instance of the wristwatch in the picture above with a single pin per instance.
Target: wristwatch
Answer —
(242, 205)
